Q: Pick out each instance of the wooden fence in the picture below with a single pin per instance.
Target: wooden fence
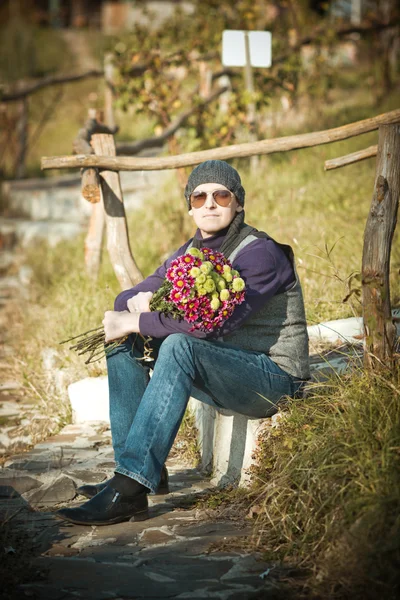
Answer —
(380, 332)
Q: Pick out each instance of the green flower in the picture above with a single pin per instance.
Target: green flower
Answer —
(235, 273)
(209, 286)
(226, 269)
(195, 252)
(201, 278)
(206, 267)
(221, 284)
(224, 295)
(194, 271)
(228, 277)
(201, 291)
(238, 284)
(215, 304)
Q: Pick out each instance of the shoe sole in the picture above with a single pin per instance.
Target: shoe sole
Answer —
(163, 491)
(140, 516)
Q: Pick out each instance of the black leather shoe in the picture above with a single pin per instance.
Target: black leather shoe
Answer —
(108, 507)
(89, 491)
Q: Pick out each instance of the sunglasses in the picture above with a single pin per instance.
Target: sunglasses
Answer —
(221, 197)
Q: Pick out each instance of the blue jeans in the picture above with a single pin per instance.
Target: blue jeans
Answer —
(146, 412)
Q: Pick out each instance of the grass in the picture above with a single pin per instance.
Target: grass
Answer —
(325, 492)
(186, 443)
(327, 488)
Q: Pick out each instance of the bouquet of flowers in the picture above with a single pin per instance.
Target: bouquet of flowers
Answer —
(200, 287)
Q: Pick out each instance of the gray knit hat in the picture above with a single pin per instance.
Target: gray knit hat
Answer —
(215, 171)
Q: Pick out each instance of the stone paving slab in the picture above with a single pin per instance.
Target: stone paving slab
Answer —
(179, 578)
(172, 555)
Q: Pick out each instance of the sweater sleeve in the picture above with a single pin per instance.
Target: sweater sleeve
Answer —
(266, 271)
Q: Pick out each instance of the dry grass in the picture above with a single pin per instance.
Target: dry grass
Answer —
(327, 489)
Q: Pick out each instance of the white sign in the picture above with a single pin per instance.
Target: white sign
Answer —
(234, 48)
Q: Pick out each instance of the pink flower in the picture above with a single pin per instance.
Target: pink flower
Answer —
(188, 259)
(190, 300)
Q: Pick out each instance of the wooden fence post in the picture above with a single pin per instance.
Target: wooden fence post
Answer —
(380, 331)
(94, 240)
(94, 237)
(109, 76)
(22, 139)
(125, 267)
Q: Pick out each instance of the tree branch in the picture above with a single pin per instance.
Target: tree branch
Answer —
(21, 91)
(131, 148)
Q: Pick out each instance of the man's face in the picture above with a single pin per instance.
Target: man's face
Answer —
(211, 217)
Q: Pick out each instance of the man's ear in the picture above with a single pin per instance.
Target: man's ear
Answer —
(191, 212)
(239, 208)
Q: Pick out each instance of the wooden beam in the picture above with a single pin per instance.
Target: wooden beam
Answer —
(109, 78)
(22, 139)
(283, 144)
(125, 267)
(380, 330)
(348, 159)
(90, 178)
(94, 240)
(91, 185)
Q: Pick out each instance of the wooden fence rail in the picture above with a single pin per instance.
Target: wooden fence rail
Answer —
(283, 144)
(349, 159)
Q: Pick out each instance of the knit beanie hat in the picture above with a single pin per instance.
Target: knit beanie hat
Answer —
(215, 171)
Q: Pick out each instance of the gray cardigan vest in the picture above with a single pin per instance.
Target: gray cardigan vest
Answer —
(279, 328)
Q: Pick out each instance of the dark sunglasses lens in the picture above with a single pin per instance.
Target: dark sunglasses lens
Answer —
(222, 197)
(197, 200)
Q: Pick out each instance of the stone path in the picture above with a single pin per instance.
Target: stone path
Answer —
(172, 555)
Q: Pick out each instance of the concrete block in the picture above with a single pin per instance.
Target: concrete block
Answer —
(345, 330)
(204, 416)
(27, 232)
(234, 444)
(89, 399)
(60, 199)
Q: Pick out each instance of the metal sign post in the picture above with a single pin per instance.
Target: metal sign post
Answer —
(248, 76)
(247, 49)
(251, 107)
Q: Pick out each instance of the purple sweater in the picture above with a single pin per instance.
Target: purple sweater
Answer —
(262, 264)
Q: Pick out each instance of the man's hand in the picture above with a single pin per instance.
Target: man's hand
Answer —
(140, 302)
(119, 324)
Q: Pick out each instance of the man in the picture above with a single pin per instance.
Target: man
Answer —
(257, 357)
